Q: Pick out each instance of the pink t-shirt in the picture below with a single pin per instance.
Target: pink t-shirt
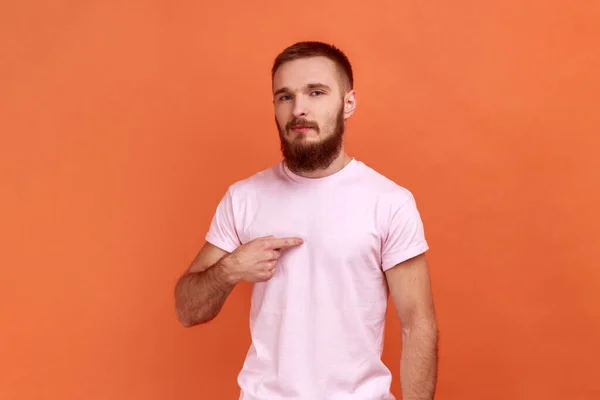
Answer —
(317, 326)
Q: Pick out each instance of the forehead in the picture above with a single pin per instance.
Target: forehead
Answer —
(298, 73)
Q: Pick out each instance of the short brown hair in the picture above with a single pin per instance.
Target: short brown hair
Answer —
(316, 49)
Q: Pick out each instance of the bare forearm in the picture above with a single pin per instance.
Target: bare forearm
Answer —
(200, 296)
(418, 362)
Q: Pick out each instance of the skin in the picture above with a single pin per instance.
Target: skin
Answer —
(201, 292)
(311, 92)
(410, 290)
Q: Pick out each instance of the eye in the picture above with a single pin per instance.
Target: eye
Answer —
(285, 97)
(316, 93)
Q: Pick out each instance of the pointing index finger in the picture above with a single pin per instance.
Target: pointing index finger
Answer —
(282, 243)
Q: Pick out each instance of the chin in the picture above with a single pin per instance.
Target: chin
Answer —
(305, 135)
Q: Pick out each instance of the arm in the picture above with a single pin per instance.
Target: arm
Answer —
(203, 289)
(410, 289)
(201, 292)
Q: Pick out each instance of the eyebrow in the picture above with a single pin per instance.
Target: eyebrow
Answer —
(309, 86)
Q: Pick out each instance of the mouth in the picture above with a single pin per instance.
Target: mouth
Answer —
(301, 129)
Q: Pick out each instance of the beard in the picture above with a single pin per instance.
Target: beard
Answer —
(301, 155)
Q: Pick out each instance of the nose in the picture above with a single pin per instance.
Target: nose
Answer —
(300, 109)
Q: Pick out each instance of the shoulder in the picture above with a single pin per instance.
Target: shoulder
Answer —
(385, 189)
(257, 183)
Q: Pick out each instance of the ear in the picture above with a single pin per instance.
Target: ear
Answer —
(349, 103)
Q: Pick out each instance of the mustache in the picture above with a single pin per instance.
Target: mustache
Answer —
(296, 122)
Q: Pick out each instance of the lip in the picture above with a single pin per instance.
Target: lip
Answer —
(301, 129)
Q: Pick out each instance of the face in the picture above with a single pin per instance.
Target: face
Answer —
(311, 108)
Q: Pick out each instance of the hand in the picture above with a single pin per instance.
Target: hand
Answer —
(256, 260)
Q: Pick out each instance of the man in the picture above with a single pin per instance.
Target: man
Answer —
(325, 239)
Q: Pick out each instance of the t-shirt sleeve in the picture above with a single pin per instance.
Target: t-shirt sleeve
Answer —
(222, 231)
(405, 238)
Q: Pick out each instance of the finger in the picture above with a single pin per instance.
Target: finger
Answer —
(268, 274)
(275, 254)
(269, 265)
(269, 255)
(265, 237)
(283, 243)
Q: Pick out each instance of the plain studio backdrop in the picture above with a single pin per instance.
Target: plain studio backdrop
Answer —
(123, 123)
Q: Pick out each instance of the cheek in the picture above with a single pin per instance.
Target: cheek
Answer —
(329, 122)
(282, 116)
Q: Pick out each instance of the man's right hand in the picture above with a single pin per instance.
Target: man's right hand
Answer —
(256, 260)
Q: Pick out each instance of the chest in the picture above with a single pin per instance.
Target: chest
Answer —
(339, 262)
(338, 228)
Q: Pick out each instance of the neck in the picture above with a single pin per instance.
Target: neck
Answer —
(337, 165)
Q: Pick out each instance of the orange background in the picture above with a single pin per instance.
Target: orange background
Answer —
(124, 122)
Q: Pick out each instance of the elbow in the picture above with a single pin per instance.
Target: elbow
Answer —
(423, 327)
(191, 312)
(189, 319)
(186, 322)
(184, 318)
